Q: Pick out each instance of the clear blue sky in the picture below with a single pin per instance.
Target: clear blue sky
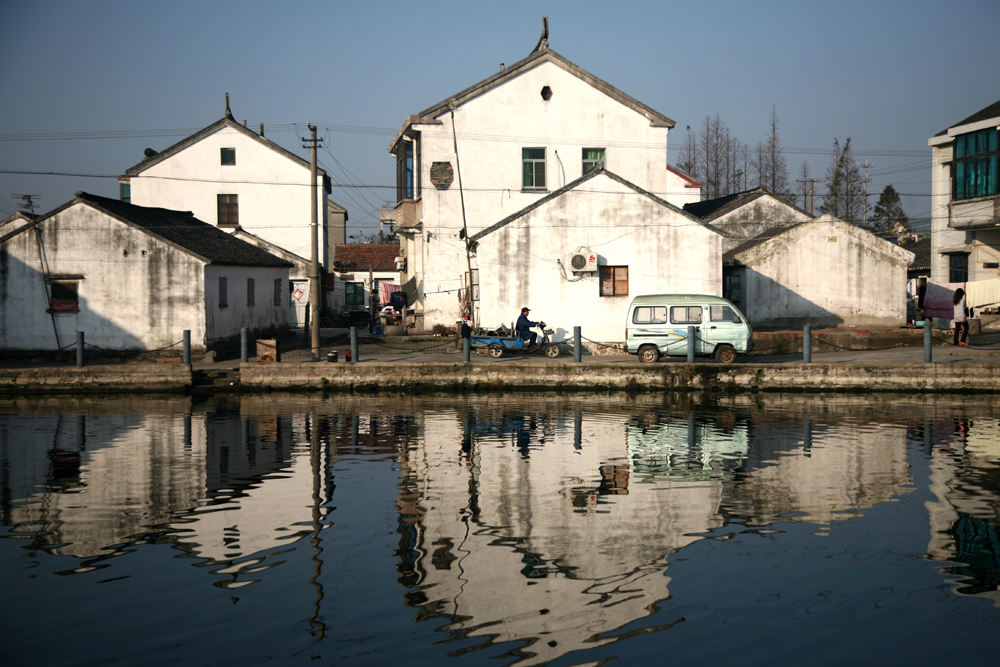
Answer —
(890, 74)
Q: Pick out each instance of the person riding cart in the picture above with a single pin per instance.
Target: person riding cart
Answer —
(524, 326)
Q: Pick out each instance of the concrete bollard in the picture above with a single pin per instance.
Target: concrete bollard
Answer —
(79, 349)
(466, 350)
(577, 345)
(928, 342)
(691, 343)
(354, 345)
(186, 347)
(807, 348)
(244, 345)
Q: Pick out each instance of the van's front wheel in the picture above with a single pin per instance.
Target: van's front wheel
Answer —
(725, 354)
(649, 354)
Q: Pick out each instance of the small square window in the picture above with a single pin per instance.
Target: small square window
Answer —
(65, 298)
(592, 157)
(614, 280)
(228, 156)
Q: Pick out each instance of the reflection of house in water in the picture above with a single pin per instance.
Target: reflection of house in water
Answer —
(823, 473)
(683, 448)
(540, 534)
(964, 517)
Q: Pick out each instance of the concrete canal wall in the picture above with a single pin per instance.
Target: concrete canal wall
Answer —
(112, 378)
(601, 377)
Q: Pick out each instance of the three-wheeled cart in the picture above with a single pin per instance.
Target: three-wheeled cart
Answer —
(499, 343)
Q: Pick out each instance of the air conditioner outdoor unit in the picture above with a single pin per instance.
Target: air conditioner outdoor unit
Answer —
(400, 263)
(583, 261)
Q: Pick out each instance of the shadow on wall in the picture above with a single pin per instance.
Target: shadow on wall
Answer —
(34, 323)
(771, 305)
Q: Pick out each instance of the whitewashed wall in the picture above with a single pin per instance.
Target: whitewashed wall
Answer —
(261, 318)
(665, 250)
(274, 192)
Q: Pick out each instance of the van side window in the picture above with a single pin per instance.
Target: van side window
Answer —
(649, 315)
(685, 314)
(721, 314)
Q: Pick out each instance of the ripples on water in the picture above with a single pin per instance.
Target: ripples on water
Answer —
(500, 530)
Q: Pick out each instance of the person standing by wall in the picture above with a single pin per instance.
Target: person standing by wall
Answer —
(960, 318)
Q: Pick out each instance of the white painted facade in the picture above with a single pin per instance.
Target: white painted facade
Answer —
(542, 102)
(824, 272)
(135, 291)
(526, 261)
(969, 227)
(270, 183)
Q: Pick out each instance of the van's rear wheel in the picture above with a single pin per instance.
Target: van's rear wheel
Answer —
(725, 354)
(649, 354)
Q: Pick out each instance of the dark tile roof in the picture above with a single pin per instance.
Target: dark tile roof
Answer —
(539, 55)
(593, 173)
(713, 208)
(183, 230)
(992, 111)
(365, 257)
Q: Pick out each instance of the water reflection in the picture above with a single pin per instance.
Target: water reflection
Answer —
(533, 527)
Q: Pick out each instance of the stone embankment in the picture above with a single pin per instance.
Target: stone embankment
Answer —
(112, 378)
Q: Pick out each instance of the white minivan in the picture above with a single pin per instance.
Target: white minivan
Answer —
(658, 324)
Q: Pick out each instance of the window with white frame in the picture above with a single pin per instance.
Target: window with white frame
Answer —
(592, 157)
(533, 168)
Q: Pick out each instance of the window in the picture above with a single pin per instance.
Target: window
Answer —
(732, 288)
(125, 191)
(722, 314)
(223, 292)
(533, 168)
(251, 297)
(591, 158)
(354, 294)
(277, 291)
(614, 281)
(404, 172)
(65, 298)
(650, 315)
(229, 210)
(975, 169)
(958, 268)
(228, 156)
(685, 314)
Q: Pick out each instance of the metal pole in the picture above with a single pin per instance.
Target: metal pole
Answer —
(690, 345)
(79, 349)
(928, 341)
(807, 349)
(314, 270)
(466, 349)
(577, 345)
(244, 345)
(354, 345)
(187, 347)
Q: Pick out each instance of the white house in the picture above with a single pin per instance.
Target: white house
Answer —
(360, 269)
(578, 255)
(133, 278)
(235, 178)
(499, 147)
(965, 200)
(823, 272)
(744, 215)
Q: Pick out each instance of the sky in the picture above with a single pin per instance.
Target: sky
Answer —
(87, 86)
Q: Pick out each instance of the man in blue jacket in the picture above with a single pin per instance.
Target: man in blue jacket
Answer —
(524, 326)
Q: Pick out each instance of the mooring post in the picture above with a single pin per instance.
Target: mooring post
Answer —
(79, 349)
(577, 345)
(466, 349)
(354, 345)
(187, 347)
(928, 341)
(691, 341)
(244, 345)
(807, 347)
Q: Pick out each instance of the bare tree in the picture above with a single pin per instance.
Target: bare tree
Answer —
(845, 194)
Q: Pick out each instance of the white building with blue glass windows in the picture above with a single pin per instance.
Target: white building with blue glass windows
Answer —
(965, 201)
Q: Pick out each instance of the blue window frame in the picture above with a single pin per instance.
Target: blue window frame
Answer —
(975, 167)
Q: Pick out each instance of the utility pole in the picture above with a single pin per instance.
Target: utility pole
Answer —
(27, 202)
(314, 299)
(810, 181)
(866, 165)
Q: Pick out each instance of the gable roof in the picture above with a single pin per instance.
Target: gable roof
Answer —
(710, 209)
(992, 111)
(176, 228)
(691, 183)
(365, 257)
(227, 121)
(541, 54)
(593, 173)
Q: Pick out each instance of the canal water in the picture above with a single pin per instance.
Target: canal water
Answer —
(500, 530)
